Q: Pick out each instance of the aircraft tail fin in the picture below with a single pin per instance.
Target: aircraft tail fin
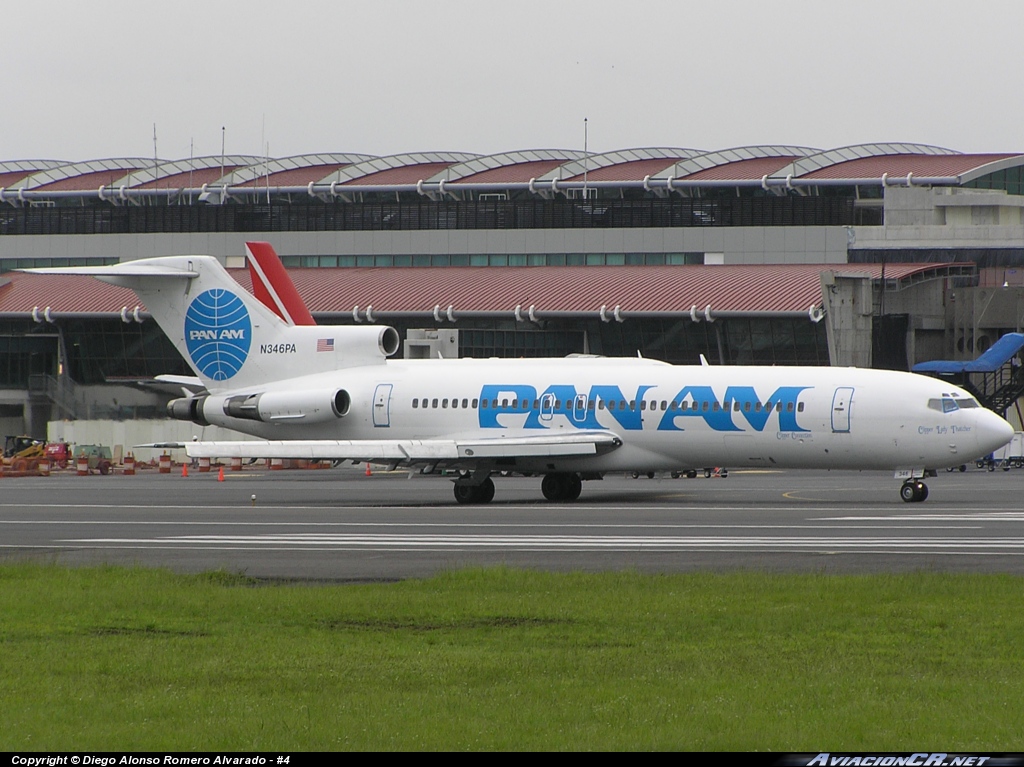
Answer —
(273, 287)
(231, 338)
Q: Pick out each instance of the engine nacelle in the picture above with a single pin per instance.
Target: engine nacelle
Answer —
(188, 409)
(292, 406)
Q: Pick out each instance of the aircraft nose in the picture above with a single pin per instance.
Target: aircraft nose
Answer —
(993, 432)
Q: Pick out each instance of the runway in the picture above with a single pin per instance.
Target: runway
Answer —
(337, 525)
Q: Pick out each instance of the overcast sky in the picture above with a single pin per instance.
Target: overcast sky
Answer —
(86, 80)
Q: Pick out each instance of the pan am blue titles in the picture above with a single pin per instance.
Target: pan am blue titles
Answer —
(263, 367)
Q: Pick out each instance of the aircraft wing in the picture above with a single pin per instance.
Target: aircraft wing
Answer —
(469, 450)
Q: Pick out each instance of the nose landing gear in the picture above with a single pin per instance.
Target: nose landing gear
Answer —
(913, 491)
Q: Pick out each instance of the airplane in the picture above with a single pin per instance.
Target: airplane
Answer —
(264, 368)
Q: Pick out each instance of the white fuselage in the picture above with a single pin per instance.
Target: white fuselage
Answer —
(668, 417)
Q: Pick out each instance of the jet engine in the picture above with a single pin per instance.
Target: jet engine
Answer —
(311, 406)
(298, 406)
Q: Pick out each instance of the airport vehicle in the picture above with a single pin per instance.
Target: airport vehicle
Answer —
(98, 458)
(22, 453)
(330, 392)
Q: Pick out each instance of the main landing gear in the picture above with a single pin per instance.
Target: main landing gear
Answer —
(482, 493)
(561, 486)
(913, 491)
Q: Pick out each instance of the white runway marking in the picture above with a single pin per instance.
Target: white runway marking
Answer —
(567, 542)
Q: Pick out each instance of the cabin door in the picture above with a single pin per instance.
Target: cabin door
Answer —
(841, 402)
(382, 405)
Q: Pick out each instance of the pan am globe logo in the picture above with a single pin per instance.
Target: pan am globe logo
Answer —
(218, 333)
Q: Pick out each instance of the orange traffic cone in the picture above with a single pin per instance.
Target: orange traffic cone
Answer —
(220, 474)
(368, 472)
(184, 469)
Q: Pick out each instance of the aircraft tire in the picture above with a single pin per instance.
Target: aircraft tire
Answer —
(922, 492)
(482, 493)
(908, 492)
(486, 491)
(561, 487)
(574, 486)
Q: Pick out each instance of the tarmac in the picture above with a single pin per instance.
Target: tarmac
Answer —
(340, 525)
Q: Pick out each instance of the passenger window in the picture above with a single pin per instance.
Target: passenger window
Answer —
(789, 407)
(465, 403)
(736, 406)
(475, 403)
(444, 403)
(415, 403)
(800, 407)
(434, 403)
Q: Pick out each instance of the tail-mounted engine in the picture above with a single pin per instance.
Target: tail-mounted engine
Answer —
(267, 407)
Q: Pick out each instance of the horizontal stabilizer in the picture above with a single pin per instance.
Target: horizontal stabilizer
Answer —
(142, 268)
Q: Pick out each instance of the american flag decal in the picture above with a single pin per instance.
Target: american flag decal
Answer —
(325, 344)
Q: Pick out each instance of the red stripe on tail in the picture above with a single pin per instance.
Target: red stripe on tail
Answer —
(273, 287)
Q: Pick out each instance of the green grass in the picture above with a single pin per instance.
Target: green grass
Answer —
(135, 659)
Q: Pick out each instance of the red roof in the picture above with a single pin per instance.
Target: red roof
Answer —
(86, 181)
(927, 165)
(6, 179)
(634, 170)
(510, 174)
(295, 176)
(755, 167)
(406, 174)
(671, 289)
(674, 289)
(185, 179)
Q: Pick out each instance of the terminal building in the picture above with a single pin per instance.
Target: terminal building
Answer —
(881, 255)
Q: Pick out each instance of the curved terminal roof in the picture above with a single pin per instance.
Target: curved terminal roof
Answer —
(13, 171)
(622, 165)
(86, 176)
(398, 168)
(833, 157)
(184, 173)
(746, 162)
(509, 166)
(776, 289)
(662, 168)
(293, 171)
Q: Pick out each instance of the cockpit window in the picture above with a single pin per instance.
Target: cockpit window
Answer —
(943, 405)
(967, 402)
